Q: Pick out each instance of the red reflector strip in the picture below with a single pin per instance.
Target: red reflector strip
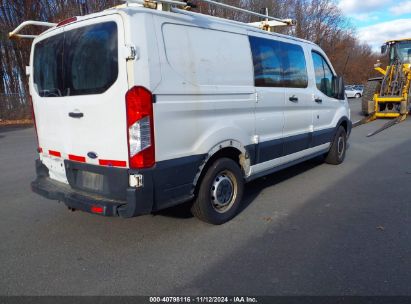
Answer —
(97, 209)
(40, 150)
(76, 158)
(112, 163)
(55, 153)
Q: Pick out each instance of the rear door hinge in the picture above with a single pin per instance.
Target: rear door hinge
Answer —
(256, 97)
(131, 52)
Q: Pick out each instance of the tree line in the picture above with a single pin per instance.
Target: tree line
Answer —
(320, 21)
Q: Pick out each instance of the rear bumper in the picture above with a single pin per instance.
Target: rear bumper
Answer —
(138, 201)
(50, 189)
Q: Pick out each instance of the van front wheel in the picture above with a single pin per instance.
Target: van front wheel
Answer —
(338, 148)
(220, 192)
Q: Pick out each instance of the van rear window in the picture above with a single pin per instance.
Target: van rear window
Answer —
(78, 62)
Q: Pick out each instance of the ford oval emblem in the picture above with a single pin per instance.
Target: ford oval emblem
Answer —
(92, 155)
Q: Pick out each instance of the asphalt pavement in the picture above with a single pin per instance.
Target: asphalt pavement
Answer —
(313, 229)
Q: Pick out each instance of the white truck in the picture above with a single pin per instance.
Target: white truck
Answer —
(137, 110)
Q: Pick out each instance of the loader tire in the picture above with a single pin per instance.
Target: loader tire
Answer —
(373, 86)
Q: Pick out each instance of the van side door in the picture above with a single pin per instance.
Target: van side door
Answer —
(298, 124)
(325, 106)
(269, 112)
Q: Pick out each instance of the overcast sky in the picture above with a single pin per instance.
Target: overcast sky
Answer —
(379, 20)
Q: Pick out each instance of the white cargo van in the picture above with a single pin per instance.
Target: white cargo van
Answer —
(137, 110)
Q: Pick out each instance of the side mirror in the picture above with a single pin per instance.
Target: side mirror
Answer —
(384, 49)
(338, 87)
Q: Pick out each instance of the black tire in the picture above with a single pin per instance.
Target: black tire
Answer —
(336, 155)
(223, 176)
(358, 95)
(373, 86)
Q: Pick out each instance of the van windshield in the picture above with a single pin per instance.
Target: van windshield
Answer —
(78, 62)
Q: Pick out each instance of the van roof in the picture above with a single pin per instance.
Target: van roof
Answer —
(203, 20)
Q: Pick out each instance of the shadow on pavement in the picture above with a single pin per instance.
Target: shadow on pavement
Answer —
(252, 189)
(352, 239)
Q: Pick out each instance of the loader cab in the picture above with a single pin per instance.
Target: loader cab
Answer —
(398, 51)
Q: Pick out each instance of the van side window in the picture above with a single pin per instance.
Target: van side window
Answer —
(323, 74)
(295, 69)
(268, 69)
(278, 64)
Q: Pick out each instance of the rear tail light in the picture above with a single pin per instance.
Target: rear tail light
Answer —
(35, 125)
(140, 128)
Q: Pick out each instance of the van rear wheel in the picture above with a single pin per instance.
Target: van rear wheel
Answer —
(220, 192)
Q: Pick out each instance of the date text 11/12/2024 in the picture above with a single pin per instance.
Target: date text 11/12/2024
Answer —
(203, 300)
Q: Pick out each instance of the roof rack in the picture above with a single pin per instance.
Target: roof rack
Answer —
(14, 33)
(170, 5)
(268, 23)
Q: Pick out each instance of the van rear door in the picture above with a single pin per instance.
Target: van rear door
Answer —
(78, 87)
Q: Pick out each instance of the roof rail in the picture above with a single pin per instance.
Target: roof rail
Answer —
(154, 3)
(24, 24)
(267, 24)
(267, 17)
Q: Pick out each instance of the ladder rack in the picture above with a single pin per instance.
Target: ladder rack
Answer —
(171, 5)
(268, 22)
(14, 33)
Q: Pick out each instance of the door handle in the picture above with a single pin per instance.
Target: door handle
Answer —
(76, 114)
(293, 98)
(318, 100)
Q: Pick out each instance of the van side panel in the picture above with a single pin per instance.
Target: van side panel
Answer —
(145, 71)
(285, 120)
(207, 98)
(270, 106)
(328, 113)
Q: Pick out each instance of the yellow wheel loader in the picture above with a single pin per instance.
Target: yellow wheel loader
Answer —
(388, 96)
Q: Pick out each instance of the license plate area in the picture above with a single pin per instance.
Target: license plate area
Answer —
(90, 181)
(110, 182)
